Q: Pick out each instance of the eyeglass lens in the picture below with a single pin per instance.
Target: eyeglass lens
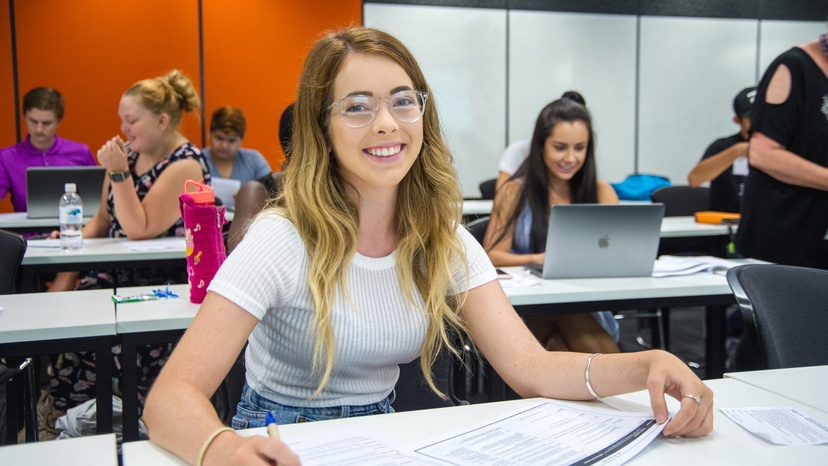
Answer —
(360, 110)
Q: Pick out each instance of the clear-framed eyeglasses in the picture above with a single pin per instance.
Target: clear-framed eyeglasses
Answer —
(360, 110)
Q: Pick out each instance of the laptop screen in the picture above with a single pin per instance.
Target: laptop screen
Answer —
(45, 185)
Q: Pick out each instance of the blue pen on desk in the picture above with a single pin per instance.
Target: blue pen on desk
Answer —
(272, 430)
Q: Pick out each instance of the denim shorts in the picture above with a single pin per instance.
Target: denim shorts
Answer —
(253, 408)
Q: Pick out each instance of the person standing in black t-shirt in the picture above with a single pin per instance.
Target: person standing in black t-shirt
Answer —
(724, 163)
(785, 206)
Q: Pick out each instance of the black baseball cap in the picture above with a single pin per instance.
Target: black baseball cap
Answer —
(743, 101)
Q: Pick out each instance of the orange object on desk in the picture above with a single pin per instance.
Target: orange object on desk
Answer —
(716, 218)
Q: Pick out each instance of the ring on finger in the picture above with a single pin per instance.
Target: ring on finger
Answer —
(696, 398)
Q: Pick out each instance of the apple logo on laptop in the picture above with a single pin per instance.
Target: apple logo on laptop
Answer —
(603, 241)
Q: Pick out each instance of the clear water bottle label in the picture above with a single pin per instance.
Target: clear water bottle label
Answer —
(71, 214)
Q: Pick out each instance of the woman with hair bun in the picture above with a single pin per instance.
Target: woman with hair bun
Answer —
(147, 173)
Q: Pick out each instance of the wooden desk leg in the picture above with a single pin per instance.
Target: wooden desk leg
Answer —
(715, 355)
(103, 387)
(129, 388)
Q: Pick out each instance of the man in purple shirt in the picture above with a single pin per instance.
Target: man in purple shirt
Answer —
(43, 112)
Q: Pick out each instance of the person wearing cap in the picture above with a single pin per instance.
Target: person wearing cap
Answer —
(724, 163)
(42, 111)
(225, 156)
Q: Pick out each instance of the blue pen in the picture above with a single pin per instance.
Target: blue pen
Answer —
(272, 431)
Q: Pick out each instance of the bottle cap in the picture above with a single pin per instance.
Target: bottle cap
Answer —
(70, 187)
(203, 195)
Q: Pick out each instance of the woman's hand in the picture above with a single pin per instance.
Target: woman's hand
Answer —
(668, 375)
(233, 449)
(113, 155)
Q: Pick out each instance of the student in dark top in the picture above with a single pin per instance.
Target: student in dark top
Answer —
(785, 206)
(724, 163)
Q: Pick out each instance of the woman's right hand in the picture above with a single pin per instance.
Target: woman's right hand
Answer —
(253, 450)
(55, 234)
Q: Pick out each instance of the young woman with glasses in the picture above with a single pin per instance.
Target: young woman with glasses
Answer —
(361, 265)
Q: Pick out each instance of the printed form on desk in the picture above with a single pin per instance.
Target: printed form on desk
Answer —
(670, 266)
(550, 432)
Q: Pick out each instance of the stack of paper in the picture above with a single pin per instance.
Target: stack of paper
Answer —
(668, 266)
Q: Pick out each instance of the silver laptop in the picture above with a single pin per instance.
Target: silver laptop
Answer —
(45, 185)
(599, 240)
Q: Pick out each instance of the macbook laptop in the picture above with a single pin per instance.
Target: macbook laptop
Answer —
(45, 185)
(600, 240)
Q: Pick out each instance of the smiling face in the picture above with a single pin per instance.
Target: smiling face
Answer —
(142, 128)
(565, 149)
(380, 154)
(42, 126)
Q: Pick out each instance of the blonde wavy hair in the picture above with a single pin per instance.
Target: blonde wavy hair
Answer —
(172, 94)
(428, 211)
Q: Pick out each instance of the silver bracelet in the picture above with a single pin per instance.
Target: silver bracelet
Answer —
(586, 376)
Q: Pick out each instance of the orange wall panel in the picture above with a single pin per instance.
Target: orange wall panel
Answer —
(8, 107)
(92, 50)
(253, 56)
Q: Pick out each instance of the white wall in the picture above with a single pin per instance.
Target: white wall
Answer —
(660, 89)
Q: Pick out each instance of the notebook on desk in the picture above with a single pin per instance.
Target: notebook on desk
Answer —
(45, 185)
(600, 241)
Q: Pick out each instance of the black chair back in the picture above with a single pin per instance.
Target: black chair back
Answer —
(681, 201)
(785, 313)
(478, 228)
(13, 247)
(487, 189)
(413, 392)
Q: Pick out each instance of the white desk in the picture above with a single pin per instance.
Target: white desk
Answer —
(477, 206)
(685, 227)
(96, 450)
(19, 221)
(804, 385)
(618, 294)
(728, 444)
(44, 323)
(97, 253)
(160, 321)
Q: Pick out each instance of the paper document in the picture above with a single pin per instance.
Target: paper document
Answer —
(551, 433)
(669, 266)
(43, 243)
(521, 279)
(347, 446)
(225, 189)
(157, 244)
(780, 426)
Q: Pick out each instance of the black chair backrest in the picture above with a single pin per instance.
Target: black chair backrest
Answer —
(413, 392)
(13, 247)
(487, 189)
(785, 313)
(478, 228)
(681, 201)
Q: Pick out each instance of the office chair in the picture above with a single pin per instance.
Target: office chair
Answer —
(478, 228)
(20, 378)
(413, 393)
(784, 312)
(681, 200)
(487, 189)
(229, 392)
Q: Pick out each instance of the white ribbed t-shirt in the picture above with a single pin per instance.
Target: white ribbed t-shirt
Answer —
(267, 276)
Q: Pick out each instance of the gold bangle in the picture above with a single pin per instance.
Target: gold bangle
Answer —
(586, 376)
(209, 440)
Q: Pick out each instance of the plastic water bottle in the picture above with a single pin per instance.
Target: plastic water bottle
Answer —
(70, 215)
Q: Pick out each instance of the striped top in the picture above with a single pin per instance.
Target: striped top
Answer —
(267, 276)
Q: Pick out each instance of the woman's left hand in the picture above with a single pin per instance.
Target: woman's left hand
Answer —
(668, 375)
(113, 155)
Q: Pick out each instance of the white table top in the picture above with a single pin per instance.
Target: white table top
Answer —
(96, 450)
(98, 250)
(163, 314)
(805, 385)
(682, 227)
(728, 444)
(607, 289)
(12, 220)
(477, 206)
(53, 316)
